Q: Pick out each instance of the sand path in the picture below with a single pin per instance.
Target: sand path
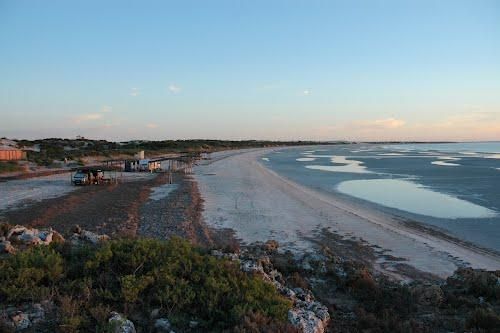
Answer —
(242, 194)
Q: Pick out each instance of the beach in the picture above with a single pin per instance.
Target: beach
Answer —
(242, 194)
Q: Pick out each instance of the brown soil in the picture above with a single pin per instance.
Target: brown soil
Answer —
(180, 214)
(26, 175)
(111, 209)
(124, 210)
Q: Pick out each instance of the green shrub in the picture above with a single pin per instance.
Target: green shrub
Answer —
(10, 166)
(483, 319)
(180, 278)
(134, 277)
(31, 275)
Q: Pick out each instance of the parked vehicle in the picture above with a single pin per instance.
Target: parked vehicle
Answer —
(88, 176)
(80, 178)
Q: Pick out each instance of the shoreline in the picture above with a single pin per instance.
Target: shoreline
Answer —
(238, 189)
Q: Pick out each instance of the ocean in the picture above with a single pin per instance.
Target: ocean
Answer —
(452, 187)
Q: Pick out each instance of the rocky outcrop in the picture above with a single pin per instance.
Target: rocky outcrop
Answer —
(120, 324)
(20, 319)
(162, 325)
(81, 237)
(307, 321)
(21, 237)
(307, 314)
(6, 246)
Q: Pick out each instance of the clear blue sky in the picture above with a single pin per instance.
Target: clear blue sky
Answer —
(251, 69)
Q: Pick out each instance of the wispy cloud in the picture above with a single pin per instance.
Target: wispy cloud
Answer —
(134, 92)
(152, 125)
(106, 109)
(386, 123)
(174, 89)
(468, 125)
(306, 92)
(87, 117)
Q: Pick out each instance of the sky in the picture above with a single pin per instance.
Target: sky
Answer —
(261, 69)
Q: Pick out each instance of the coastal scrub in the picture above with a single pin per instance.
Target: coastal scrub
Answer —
(137, 277)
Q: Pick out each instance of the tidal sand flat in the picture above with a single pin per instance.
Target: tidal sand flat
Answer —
(259, 204)
(410, 184)
(413, 198)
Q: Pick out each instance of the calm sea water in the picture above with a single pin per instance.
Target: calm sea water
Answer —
(454, 187)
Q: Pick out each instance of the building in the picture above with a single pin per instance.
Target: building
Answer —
(8, 153)
(142, 165)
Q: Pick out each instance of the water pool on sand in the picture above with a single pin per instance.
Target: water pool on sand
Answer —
(414, 198)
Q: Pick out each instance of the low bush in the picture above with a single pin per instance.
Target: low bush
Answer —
(134, 277)
(10, 166)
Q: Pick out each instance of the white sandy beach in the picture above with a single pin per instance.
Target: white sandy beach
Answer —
(242, 194)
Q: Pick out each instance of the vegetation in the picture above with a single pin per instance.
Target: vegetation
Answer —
(468, 301)
(134, 277)
(58, 149)
(10, 166)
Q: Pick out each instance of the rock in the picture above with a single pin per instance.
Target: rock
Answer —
(217, 253)
(155, 313)
(77, 229)
(29, 238)
(20, 320)
(16, 230)
(428, 295)
(46, 236)
(221, 255)
(121, 324)
(36, 314)
(271, 246)
(307, 315)
(6, 247)
(57, 237)
(250, 266)
(87, 237)
(22, 317)
(306, 321)
(162, 325)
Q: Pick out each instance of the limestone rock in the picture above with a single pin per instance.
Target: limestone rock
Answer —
(307, 315)
(271, 246)
(20, 321)
(306, 321)
(121, 324)
(16, 230)
(221, 255)
(162, 325)
(36, 313)
(24, 236)
(6, 247)
(87, 237)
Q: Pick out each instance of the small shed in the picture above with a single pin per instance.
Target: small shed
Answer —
(142, 165)
(9, 153)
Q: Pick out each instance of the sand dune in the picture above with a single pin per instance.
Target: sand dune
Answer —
(242, 194)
